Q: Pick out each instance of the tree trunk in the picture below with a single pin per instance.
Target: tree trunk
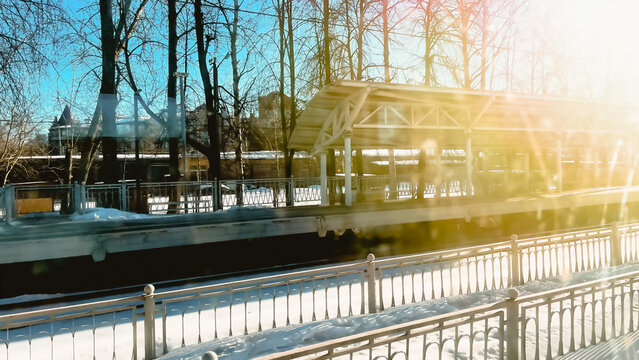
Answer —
(104, 115)
(293, 111)
(428, 64)
(172, 123)
(349, 35)
(360, 41)
(212, 152)
(465, 24)
(327, 43)
(89, 145)
(283, 122)
(385, 30)
(484, 43)
(237, 103)
(108, 97)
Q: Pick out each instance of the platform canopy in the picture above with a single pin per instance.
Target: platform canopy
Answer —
(378, 115)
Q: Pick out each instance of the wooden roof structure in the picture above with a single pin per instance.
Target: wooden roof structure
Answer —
(379, 115)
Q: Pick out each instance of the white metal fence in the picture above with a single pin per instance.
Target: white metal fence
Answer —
(194, 315)
(190, 316)
(209, 196)
(544, 325)
(75, 332)
(57, 197)
(476, 333)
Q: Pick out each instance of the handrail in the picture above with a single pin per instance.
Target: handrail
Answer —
(70, 308)
(571, 288)
(262, 279)
(390, 330)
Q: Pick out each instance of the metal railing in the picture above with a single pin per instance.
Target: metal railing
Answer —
(406, 187)
(439, 274)
(105, 196)
(208, 196)
(194, 315)
(174, 197)
(256, 192)
(57, 197)
(308, 191)
(476, 333)
(77, 331)
(583, 315)
(543, 325)
(544, 257)
(190, 316)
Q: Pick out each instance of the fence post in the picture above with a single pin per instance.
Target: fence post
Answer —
(216, 194)
(123, 204)
(9, 202)
(514, 260)
(149, 322)
(209, 355)
(83, 195)
(512, 325)
(78, 191)
(292, 193)
(372, 301)
(615, 245)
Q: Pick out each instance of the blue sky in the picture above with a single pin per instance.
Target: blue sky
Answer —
(600, 40)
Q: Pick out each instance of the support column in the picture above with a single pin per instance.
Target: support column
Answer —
(323, 180)
(469, 164)
(331, 167)
(630, 161)
(596, 165)
(560, 176)
(392, 172)
(527, 171)
(359, 179)
(438, 171)
(508, 172)
(348, 195)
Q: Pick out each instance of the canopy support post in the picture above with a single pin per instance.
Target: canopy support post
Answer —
(348, 195)
(392, 171)
(323, 179)
(469, 165)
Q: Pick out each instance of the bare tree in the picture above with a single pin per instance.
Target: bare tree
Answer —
(240, 43)
(212, 149)
(102, 129)
(431, 19)
(16, 131)
(172, 126)
(30, 36)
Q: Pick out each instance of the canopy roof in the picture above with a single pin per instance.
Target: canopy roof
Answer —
(378, 115)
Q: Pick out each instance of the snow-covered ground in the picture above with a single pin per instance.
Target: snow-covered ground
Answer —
(105, 214)
(282, 339)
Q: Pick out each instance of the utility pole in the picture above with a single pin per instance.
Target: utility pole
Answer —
(182, 77)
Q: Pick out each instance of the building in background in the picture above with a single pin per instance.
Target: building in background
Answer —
(64, 132)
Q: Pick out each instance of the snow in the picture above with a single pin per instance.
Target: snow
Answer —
(287, 338)
(105, 214)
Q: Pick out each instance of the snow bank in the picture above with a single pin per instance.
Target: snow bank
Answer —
(105, 214)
